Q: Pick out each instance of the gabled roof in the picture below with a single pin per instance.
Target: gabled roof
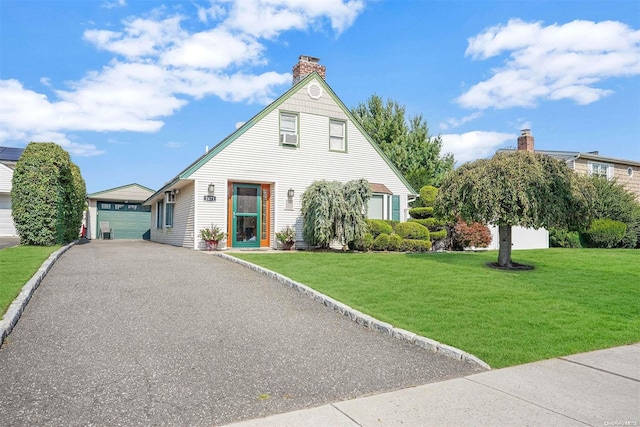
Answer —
(10, 154)
(185, 174)
(128, 190)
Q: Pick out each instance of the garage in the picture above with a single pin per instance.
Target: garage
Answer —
(7, 227)
(126, 220)
(120, 212)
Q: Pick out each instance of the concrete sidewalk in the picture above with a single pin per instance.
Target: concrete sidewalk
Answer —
(600, 388)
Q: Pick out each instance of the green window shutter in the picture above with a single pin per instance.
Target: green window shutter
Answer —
(395, 207)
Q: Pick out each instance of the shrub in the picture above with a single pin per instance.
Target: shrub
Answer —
(412, 230)
(48, 196)
(437, 235)
(365, 243)
(421, 213)
(394, 242)
(605, 233)
(391, 222)
(381, 242)
(561, 238)
(475, 235)
(378, 226)
(411, 245)
(613, 201)
(428, 195)
(433, 224)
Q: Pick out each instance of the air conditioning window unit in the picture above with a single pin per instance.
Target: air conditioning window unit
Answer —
(289, 139)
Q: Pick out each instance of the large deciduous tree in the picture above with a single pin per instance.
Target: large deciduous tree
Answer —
(406, 141)
(47, 196)
(516, 188)
(332, 211)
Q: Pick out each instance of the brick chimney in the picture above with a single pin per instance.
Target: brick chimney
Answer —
(307, 65)
(525, 140)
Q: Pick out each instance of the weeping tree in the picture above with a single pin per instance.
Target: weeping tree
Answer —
(517, 188)
(332, 211)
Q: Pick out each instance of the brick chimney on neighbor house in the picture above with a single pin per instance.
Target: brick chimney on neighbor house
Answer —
(307, 65)
(525, 140)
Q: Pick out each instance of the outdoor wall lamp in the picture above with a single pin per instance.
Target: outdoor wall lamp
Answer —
(290, 193)
(211, 189)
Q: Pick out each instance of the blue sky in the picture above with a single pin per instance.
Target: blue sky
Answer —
(135, 90)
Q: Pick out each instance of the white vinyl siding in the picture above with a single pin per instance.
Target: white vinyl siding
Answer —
(251, 158)
(182, 232)
(7, 227)
(337, 135)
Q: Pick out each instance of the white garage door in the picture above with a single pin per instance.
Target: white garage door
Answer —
(6, 220)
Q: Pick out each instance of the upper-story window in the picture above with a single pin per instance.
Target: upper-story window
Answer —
(289, 129)
(603, 170)
(337, 135)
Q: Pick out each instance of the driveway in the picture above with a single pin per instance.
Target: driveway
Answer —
(7, 242)
(137, 333)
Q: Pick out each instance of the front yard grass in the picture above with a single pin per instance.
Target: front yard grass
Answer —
(575, 300)
(17, 265)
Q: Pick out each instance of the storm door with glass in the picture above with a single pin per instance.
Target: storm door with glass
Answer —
(246, 216)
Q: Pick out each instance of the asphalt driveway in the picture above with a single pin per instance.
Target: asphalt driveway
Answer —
(137, 333)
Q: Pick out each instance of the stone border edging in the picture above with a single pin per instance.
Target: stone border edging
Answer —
(16, 308)
(361, 318)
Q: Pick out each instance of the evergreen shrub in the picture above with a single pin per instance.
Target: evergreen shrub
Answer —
(412, 230)
(378, 226)
(421, 212)
(394, 242)
(605, 233)
(562, 238)
(381, 243)
(411, 245)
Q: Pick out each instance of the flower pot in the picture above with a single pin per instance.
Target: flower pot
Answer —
(286, 246)
(212, 245)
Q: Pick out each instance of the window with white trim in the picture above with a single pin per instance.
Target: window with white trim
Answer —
(289, 129)
(603, 170)
(337, 135)
(170, 202)
(375, 208)
(159, 214)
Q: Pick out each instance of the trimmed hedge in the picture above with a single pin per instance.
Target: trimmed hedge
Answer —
(433, 224)
(48, 196)
(561, 238)
(421, 213)
(381, 243)
(412, 230)
(411, 245)
(437, 235)
(364, 244)
(394, 242)
(428, 195)
(605, 233)
(378, 226)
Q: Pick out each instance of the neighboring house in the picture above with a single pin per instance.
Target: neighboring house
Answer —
(626, 172)
(122, 209)
(251, 182)
(8, 158)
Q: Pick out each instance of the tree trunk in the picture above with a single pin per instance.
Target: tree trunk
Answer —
(504, 253)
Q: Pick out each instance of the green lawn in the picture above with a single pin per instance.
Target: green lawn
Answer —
(575, 300)
(17, 265)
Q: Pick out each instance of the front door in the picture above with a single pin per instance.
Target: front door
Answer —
(246, 216)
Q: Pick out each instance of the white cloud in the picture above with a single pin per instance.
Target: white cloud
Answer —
(173, 144)
(159, 66)
(454, 123)
(115, 3)
(551, 62)
(475, 145)
(268, 18)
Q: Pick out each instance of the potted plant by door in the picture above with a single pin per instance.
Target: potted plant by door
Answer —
(212, 236)
(287, 236)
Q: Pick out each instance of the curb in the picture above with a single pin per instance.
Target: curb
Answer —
(18, 305)
(363, 319)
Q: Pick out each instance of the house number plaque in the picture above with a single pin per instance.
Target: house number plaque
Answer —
(209, 198)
